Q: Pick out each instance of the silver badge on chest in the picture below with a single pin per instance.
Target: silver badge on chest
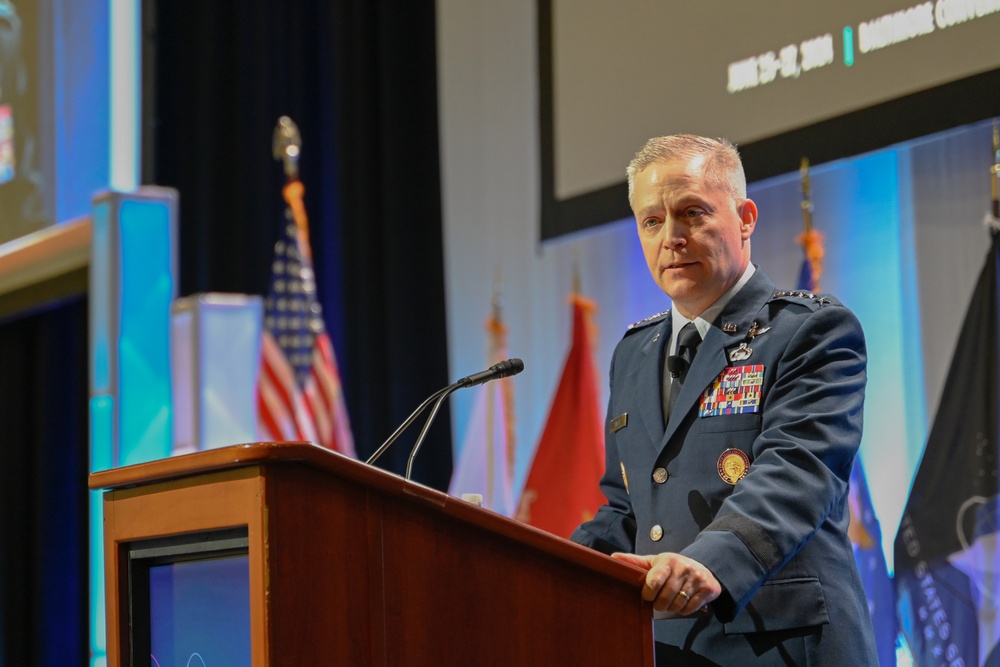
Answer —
(743, 351)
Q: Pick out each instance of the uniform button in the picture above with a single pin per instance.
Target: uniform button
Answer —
(656, 533)
(660, 475)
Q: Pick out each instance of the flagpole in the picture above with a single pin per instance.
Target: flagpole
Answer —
(577, 281)
(807, 205)
(286, 145)
(498, 351)
(810, 239)
(995, 172)
(496, 302)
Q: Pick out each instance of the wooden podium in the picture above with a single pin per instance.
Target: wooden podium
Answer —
(350, 565)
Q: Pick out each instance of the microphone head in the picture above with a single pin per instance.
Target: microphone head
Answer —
(507, 368)
(676, 365)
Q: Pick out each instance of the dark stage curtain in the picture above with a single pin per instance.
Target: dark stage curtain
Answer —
(44, 596)
(359, 78)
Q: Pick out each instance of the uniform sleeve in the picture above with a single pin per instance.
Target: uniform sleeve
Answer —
(613, 527)
(802, 459)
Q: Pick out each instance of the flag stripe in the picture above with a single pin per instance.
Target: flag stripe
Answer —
(278, 374)
(327, 375)
(277, 391)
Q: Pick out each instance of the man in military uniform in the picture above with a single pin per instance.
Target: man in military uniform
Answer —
(732, 428)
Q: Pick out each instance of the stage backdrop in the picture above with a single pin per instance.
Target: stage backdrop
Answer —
(904, 244)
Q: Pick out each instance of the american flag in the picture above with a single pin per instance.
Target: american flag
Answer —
(299, 394)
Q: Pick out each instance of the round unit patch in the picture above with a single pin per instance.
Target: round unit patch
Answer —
(733, 465)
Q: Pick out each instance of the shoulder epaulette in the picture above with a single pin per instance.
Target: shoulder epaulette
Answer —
(804, 296)
(648, 320)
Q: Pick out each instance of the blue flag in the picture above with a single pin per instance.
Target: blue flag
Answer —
(866, 536)
(947, 558)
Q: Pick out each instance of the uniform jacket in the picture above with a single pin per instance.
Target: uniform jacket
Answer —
(776, 539)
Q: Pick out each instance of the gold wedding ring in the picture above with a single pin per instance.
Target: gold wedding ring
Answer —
(683, 593)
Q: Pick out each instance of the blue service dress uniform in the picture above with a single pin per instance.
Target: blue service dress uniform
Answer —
(749, 477)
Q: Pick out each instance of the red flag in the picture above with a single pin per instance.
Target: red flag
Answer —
(299, 394)
(486, 461)
(562, 490)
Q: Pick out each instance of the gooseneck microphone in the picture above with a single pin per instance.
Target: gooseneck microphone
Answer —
(505, 368)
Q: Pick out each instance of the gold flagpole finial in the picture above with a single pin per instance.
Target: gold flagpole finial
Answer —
(286, 145)
(807, 205)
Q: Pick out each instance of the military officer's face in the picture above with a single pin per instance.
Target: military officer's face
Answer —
(696, 239)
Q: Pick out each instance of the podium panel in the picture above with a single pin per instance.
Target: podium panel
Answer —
(348, 564)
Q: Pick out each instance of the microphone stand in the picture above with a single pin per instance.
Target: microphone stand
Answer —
(448, 391)
(500, 370)
(409, 420)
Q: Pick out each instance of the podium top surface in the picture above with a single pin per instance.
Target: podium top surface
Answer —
(338, 466)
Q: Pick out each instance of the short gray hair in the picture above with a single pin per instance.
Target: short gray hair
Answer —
(723, 167)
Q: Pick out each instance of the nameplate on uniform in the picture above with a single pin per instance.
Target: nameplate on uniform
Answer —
(619, 422)
(735, 391)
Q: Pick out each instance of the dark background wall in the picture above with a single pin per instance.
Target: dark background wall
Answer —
(359, 79)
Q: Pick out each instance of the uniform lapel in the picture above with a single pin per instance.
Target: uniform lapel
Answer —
(645, 382)
(711, 357)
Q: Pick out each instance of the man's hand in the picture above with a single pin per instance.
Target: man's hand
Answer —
(675, 584)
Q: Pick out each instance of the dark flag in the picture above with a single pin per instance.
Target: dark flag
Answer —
(946, 549)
